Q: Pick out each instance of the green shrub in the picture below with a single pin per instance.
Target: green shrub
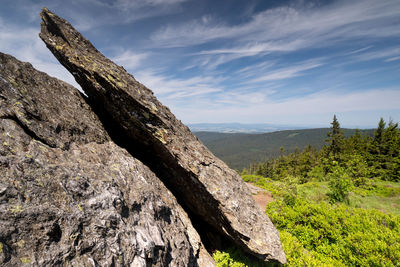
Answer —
(317, 173)
(234, 257)
(224, 259)
(290, 190)
(254, 179)
(340, 185)
(357, 168)
(321, 234)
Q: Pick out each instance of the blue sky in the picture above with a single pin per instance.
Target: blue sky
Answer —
(250, 61)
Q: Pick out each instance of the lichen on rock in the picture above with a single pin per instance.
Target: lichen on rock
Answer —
(69, 195)
(205, 186)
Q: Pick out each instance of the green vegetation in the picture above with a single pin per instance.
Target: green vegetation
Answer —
(339, 206)
(358, 157)
(315, 232)
(321, 234)
(239, 150)
(234, 257)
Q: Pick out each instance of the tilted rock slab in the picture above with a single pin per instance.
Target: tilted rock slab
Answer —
(69, 195)
(201, 182)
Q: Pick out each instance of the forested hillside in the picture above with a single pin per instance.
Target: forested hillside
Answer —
(239, 150)
(337, 206)
(361, 156)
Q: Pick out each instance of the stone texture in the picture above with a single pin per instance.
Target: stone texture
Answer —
(203, 184)
(69, 195)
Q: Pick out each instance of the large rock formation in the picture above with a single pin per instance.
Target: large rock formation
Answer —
(69, 195)
(212, 193)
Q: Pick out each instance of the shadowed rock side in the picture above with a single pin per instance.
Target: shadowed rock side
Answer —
(69, 195)
(203, 184)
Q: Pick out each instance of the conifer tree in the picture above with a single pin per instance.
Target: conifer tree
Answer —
(335, 139)
(378, 137)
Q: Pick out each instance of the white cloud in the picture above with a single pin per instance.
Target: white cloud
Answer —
(288, 72)
(167, 87)
(136, 4)
(247, 89)
(283, 30)
(378, 99)
(243, 98)
(305, 26)
(162, 2)
(359, 50)
(257, 48)
(95, 13)
(389, 54)
(214, 58)
(129, 59)
(25, 45)
(295, 109)
(392, 59)
(255, 69)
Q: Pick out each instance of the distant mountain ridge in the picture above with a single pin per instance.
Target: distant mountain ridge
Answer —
(242, 127)
(239, 150)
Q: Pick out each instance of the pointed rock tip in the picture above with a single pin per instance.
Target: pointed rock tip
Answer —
(249, 227)
(45, 10)
(45, 14)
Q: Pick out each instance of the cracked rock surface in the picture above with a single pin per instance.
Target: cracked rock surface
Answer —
(69, 195)
(203, 184)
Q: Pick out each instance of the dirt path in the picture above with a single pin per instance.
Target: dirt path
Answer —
(261, 196)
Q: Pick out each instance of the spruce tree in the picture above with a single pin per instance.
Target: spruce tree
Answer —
(335, 139)
(378, 137)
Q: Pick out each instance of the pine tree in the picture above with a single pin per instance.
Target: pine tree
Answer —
(384, 158)
(378, 137)
(335, 139)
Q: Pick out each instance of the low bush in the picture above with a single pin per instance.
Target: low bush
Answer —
(340, 185)
(234, 257)
(321, 234)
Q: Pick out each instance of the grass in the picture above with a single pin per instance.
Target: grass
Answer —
(313, 191)
(380, 195)
(366, 231)
(384, 204)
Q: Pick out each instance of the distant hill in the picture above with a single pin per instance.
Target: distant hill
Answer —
(241, 127)
(239, 150)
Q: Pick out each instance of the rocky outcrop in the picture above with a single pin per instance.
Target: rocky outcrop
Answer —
(69, 195)
(211, 192)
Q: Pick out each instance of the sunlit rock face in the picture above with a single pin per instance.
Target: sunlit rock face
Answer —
(111, 178)
(203, 184)
(69, 195)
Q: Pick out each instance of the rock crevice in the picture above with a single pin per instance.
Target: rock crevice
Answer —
(204, 185)
(83, 200)
(111, 178)
(26, 129)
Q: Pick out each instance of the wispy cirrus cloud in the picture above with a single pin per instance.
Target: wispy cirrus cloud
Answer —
(87, 15)
(388, 54)
(168, 87)
(303, 25)
(129, 59)
(288, 72)
(296, 109)
(138, 3)
(216, 57)
(357, 51)
(255, 63)
(393, 59)
(284, 29)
